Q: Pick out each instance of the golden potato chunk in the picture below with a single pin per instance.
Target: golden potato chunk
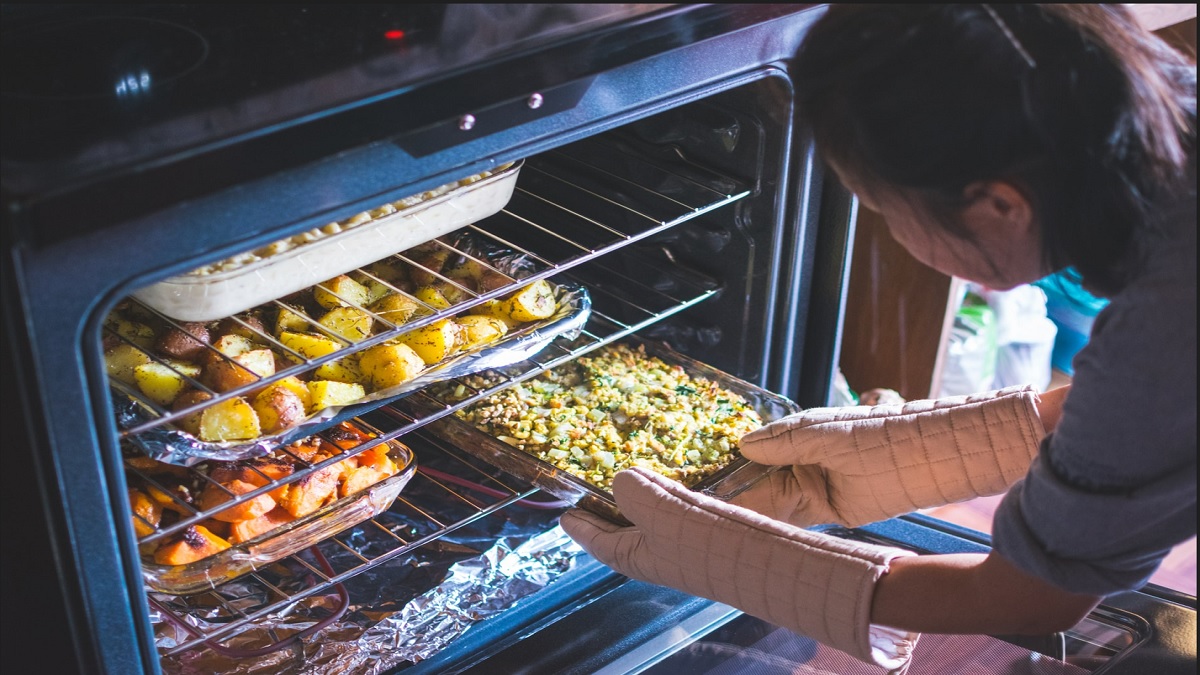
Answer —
(388, 365)
(309, 346)
(341, 291)
(395, 308)
(328, 394)
(478, 330)
(433, 342)
(532, 303)
(279, 408)
(163, 382)
(349, 322)
(230, 420)
(122, 362)
(243, 369)
(289, 322)
(341, 370)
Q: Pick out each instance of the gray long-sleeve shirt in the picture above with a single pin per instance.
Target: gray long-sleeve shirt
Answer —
(1113, 488)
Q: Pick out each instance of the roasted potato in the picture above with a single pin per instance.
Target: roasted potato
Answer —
(308, 345)
(341, 370)
(244, 369)
(328, 394)
(163, 382)
(341, 291)
(478, 330)
(186, 342)
(349, 322)
(287, 321)
(230, 345)
(388, 365)
(122, 362)
(191, 422)
(395, 308)
(249, 326)
(230, 420)
(432, 297)
(278, 408)
(532, 303)
(433, 342)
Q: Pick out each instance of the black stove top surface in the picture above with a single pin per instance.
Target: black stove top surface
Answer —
(90, 88)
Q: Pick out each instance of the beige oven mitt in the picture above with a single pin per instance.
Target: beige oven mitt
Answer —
(817, 585)
(860, 464)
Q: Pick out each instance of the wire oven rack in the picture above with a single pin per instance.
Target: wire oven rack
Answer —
(564, 212)
(566, 215)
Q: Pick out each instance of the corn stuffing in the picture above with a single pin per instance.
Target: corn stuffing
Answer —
(617, 409)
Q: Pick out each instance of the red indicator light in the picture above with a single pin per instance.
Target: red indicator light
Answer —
(395, 34)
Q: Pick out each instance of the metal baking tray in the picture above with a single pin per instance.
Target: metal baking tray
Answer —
(729, 481)
(286, 539)
(207, 297)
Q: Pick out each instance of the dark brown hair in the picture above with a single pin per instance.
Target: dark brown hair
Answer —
(1092, 117)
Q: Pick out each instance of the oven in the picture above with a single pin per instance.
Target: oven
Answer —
(659, 170)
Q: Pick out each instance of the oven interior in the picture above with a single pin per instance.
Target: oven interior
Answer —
(677, 227)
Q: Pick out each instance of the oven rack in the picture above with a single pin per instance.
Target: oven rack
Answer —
(638, 304)
(601, 330)
(613, 199)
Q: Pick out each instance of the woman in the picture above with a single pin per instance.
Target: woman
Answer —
(1002, 143)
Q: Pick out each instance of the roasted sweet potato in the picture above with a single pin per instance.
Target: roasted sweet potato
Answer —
(147, 513)
(311, 492)
(358, 479)
(245, 530)
(196, 543)
(213, 496)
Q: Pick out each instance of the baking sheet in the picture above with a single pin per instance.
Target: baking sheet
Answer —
(174, 446)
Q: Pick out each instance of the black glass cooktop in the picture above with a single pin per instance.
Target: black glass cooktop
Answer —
(88, 88)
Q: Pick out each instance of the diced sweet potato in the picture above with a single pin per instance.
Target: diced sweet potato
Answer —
(377, 458)
(147, 513)
(358, 479)
(177, 501)
(213, 496)
(311, 492)
(245, 530)
(196, 543)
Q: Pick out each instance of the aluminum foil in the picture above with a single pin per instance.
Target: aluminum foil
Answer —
(173, 446)
(401, 612)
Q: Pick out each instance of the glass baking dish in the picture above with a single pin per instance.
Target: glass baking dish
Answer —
(289, 265)
(279, 542)
(727, 482)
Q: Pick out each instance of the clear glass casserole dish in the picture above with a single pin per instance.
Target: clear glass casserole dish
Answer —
(239, 283)
(556, 474)
(343, 484)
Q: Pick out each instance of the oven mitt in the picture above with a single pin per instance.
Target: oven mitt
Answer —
(811, 583)
(860, 464)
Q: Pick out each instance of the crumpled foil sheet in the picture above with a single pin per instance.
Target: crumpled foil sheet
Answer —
(403, 611)
(173, 446)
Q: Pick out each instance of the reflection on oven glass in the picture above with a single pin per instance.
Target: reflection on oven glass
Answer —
(749, 646)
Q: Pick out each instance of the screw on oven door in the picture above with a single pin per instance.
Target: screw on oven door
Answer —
(535, 101)
(466, 122)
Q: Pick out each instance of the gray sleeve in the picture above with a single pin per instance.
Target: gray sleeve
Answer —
(1113, 489)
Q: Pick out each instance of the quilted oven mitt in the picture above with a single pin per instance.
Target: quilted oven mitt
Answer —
(814, 584)
(861, 464)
